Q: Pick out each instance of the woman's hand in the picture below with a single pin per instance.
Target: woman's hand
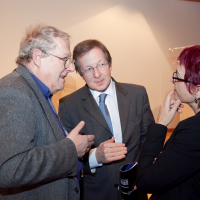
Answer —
(168, 110)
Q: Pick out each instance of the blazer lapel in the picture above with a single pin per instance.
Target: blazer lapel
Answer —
(123, 105)
(33, 85)
(92, 108)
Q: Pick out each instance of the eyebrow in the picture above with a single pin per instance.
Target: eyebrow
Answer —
(95, 66)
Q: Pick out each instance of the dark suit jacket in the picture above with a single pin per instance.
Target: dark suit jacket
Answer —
(37, 162)
(135, 116)
(176, 172)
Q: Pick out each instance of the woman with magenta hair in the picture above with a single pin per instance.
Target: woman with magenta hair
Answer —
(172, 172)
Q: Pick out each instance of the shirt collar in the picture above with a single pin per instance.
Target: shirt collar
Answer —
(109, 91)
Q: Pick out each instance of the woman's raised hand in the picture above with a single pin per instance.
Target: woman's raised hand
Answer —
(168, 110)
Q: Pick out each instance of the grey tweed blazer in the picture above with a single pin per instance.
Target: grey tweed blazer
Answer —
(36, 160)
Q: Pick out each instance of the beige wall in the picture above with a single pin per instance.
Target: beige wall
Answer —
(138, 35)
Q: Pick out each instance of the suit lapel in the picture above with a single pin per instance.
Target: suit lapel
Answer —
(123, 105)
(92, 108)
(33, 85)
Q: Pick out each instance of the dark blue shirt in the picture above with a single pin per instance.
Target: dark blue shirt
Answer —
(47, 94)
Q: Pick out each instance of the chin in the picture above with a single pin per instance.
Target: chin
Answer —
(101, 90)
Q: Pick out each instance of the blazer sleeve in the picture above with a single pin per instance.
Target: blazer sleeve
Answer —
(22, 161)
(176, 163)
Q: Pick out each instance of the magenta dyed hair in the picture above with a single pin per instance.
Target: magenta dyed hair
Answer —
(190, 59)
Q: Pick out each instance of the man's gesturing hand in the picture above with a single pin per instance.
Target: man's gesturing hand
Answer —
(82, 142)
(109, 151)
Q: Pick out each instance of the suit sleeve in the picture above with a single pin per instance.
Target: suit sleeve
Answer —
(22, 161)
(178, 161)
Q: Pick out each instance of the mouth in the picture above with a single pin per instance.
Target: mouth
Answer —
(99, 82)
(62, 76)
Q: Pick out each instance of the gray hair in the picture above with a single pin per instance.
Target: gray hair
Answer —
(39, 37)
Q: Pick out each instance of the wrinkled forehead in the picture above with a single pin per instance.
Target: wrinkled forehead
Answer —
(62, 47)
(92, 57)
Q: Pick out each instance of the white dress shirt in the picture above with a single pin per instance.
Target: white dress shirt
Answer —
(112, 105)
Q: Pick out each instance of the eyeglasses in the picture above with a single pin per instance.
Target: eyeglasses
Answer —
(67, 61)
(89, 71)
(175, 79)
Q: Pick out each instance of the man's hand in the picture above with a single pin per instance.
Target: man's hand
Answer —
(168, 110)
(83, 143)
(110, 151)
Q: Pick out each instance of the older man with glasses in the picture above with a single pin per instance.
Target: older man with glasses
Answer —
(39, 159)
(118, 114)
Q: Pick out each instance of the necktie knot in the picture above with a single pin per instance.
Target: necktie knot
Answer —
(102, 98)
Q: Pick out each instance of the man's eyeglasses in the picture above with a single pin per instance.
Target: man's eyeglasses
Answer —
(67, 61)
(175, 79)
(89, 71)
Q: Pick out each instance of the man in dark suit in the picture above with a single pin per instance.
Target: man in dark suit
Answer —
(116, 113)
(39, 159)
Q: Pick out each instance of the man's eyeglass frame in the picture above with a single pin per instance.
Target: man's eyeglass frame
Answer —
(67, 61)
(92, 68)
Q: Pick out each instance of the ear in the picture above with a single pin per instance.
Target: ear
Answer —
(198, 91)
(36, 57)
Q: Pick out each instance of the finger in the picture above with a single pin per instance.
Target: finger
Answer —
(168, 98)
(181, 106)
(77, 129)
(172, 102)
(90, 137)
(113, 145)
(175, 106)
(169, 95)
(179, 111)
(90, 144)
(111, 140)
(117, 150)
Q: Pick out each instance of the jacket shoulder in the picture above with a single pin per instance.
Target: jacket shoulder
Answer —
(14, 81)
(131, 89)
(74, 97)
(191, 122)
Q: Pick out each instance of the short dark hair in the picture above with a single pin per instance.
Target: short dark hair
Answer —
(190, 59)
(83, 47)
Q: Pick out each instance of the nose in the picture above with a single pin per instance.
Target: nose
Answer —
(97, 73)
(172, 80)
(71, 68)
